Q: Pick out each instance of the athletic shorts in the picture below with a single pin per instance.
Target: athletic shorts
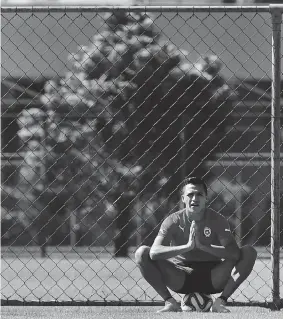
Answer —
(198, 277)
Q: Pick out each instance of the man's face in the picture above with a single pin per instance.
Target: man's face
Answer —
(194, 198)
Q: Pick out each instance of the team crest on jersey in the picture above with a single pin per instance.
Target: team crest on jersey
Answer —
(207, 231)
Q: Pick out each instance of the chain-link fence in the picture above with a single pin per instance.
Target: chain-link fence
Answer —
(104, 112)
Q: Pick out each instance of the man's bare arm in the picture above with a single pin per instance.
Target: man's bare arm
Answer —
(161, 249)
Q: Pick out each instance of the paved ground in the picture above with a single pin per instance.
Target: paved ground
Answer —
(98, 279)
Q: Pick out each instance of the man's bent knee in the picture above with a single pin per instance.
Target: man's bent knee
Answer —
(142, 254)
(248, 253)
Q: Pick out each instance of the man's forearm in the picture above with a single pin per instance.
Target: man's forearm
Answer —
(222, 252)
(166, 252)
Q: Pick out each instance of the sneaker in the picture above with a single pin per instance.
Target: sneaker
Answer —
(219, 306)
(171, 305)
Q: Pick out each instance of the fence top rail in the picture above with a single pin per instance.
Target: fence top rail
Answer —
(32, 9)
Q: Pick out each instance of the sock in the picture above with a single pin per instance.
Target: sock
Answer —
(168, 298)
(223, 298)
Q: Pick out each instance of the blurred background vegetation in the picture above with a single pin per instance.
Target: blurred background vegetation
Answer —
(103, 156)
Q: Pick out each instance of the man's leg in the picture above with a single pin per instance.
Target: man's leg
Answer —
(160, 274)
(229, 275)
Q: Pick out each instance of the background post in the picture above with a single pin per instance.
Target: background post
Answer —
(276, 14)
(238, 208)
(182, 137)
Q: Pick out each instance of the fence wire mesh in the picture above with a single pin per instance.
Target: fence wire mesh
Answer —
(103, 115)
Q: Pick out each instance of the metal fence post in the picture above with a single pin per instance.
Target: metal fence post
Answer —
(276, 13)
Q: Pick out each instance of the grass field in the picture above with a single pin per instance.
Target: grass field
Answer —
(102, 279)
(10, 312)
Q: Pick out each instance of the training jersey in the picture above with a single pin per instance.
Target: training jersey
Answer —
(176, 231)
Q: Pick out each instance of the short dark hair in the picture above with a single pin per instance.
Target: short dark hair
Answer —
(195, 181)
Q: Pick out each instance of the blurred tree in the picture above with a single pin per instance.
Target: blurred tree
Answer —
(234, 200)
(114, 120)
(60, 184)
